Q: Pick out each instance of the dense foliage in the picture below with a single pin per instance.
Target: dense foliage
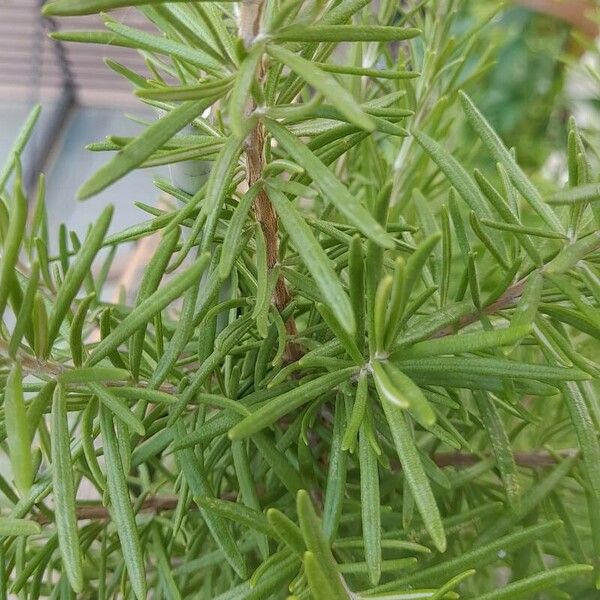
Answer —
(361, 361)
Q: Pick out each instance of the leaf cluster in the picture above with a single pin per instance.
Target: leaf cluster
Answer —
(366, 370)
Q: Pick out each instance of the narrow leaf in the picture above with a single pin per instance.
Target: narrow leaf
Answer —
(498, 150)
(138, 150)
(17, 430)
(77, 272)
(150, 307)
(276, 408)
(315, 259)
(331, 187)
(414, 472)
(345, 33)
(121, 507)
(325, 84)
(64, 492)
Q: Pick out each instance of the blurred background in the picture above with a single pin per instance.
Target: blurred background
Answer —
(82, 101)
(543, 70)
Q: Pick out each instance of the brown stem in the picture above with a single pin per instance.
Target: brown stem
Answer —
(508, 299)
(32, 365)
(266, 217)
(459, 460)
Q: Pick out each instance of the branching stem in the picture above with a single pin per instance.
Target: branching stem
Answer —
(266, 217)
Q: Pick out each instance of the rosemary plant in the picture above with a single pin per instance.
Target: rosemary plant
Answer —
(360, 362)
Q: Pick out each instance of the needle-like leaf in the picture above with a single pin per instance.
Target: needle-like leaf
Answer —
(17, 430)
(151, 306)
(315, 259)
(414, 472)
(121, 508)
(495, 146)
(64, 492)
(334, 191)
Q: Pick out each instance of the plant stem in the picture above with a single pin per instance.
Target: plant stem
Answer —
(266, 217)
(508, 299)
(156, 504)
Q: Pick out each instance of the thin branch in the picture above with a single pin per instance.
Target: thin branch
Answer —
(32, 365)
(507, 300)
(530, 460)
(459, 460)
(266, 217)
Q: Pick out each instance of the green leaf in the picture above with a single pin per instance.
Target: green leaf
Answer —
(495, 146)
(150, 307)
(380, 306)
(385, 386)
(498, 437)
(217, 186)
(116, 407)
(202, 57)
(164, 567)
(17, 430)
(240, 94)
(16, 527)
(238, 513)
(358, 413)
(455, 172)
(356, 285)
(142, 147)
(23, 324)
(67, 8)
(362, 72)
(537, 583)
(465, 342)
(370, 505)
(414, 267)
(276, 408)
(316, 260)
(149, 284)
(93, 374)
(530, 500)
(320, 582)
(207, 90)
(12, 245)
(528, 305)
(121, 507)
(325, 84)
(414, 472)
(287, 530)
(200, 487)
(287, 473)
(344, 33)
(589, 192)
(341, 334)
(544, 233)
(508, 214)
(495, 367)
(76, 330)
(581, 418)
(333, 190)
(78, 271)
(572, 253)
(318, 546)
(451, 584)
(233, 235)
(475, 558)
(407, 391)
(64, 492)
(336, 476)
(248, 492)
(19, 144)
